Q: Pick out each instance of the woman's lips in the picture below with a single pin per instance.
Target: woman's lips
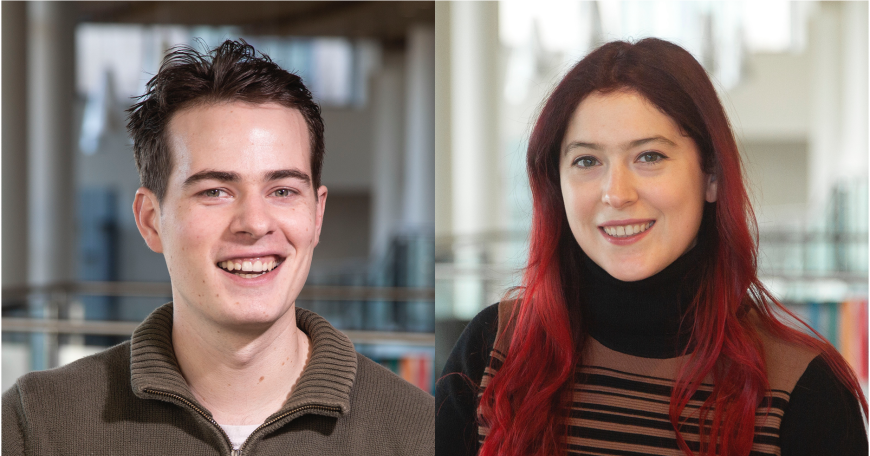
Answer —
(625, 240)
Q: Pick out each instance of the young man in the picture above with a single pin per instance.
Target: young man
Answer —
(229, 149)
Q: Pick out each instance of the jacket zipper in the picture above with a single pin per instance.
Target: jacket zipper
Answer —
(296, 410)
(190, 404)
(238, 452)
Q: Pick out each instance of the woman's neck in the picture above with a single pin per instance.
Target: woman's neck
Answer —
(646, 318)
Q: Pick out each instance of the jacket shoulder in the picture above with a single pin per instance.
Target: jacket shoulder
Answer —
(101, 370)
(376, 380)
(80, 387)
(402, 414)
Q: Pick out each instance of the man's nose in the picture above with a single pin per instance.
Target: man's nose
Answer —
(253, 217)
(619, 187)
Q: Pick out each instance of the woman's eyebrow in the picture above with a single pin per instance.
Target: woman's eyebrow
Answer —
(629, 145)
(580, 144)
(657, 138)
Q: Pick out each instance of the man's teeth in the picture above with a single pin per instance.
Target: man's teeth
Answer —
(627, 230)
(257, 267)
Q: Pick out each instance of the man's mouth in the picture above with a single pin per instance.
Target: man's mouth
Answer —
(248, 268)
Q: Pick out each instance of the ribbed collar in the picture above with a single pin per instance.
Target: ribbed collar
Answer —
(643, 318)
(326, 380)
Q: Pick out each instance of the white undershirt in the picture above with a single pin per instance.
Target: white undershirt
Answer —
(238, 434)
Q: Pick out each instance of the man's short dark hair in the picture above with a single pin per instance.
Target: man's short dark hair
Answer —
(229, 72)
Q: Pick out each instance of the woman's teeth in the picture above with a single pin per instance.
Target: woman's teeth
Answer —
(253, 268)
(627, 230)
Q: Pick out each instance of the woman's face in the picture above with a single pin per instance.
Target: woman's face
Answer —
(632, 184)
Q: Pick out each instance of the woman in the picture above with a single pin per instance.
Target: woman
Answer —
(641, 326)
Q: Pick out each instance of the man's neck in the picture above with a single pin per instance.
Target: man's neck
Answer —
(240, 377)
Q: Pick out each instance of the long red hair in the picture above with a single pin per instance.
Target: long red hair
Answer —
(524, 404)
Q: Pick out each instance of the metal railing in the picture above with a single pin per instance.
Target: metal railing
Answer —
(164, 289)
(60, 295)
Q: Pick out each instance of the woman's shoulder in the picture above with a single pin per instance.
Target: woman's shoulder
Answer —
(822, 416)
(456, 391)
(478, 337)
(470, 354)
(486, 317)
(786, 361)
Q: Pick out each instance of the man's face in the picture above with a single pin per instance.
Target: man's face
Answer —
(240, 195)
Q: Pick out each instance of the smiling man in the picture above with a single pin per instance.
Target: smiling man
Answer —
(229, 149)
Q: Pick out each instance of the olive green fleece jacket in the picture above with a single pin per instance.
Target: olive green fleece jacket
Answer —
(132, 399)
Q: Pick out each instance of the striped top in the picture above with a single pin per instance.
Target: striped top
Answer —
(621, 402)
(619, 392)
(618, 411)
(637, 331)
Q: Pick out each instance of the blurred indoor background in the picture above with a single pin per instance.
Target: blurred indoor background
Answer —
(792, 77)
(76, 274)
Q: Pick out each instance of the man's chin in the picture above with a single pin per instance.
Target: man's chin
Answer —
(254, 320)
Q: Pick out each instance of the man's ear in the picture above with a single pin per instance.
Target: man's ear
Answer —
(146, 211)
(319, 211)
(712, 190)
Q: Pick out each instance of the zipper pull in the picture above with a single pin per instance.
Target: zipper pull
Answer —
(236, 452)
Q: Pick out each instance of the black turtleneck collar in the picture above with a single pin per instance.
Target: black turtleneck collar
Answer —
(643, 318)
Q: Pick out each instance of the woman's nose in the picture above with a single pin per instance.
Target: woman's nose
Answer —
(619, 187)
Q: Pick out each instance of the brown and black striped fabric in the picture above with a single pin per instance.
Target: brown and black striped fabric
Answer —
(621, 402)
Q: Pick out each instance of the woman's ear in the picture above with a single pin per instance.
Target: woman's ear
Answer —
(711, 193)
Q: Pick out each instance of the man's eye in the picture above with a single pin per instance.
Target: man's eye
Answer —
(213, 193)
(586, 162)
(650, 157)
(284, 192)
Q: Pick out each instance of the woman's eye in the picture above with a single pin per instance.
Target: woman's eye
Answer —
(650, 157)
(586, 162)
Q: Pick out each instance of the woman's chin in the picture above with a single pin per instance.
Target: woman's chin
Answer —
(632, 275)
(630, 271)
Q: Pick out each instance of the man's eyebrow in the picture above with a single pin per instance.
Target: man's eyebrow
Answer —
(210, 174)
(289, 173)
(630, 145)
(229, 176)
